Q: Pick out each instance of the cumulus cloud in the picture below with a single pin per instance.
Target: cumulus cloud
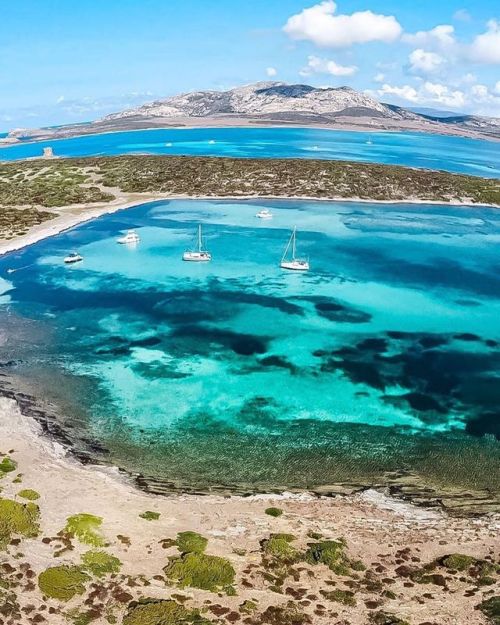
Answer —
(422, 62)
(316, 65)
(323, 27)
(442, 36)
(486, 47)
(271, 71)
(478, 97)
(379, 77)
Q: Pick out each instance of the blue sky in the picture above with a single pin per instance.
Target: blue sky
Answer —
(63, 60)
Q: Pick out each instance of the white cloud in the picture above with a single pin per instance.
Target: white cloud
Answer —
(486, 47)
(425, 62)
(271, 71)
(316, 65)
(379, 77)
(320, 25)
(406, 92)
(442, 36)
(60, 99)
(441, 94)
(477, 98)
(462, 15)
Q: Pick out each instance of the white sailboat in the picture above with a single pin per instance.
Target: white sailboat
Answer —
(130, 237)
(72, 258)
(198, 255)
(294, 264)
(265, 213)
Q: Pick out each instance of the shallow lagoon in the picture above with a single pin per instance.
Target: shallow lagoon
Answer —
(455, 154)
(385, 357)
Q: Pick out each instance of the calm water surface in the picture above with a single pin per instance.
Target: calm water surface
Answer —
(384, 357)
(455, 154)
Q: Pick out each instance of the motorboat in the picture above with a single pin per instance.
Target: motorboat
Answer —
(130, 237)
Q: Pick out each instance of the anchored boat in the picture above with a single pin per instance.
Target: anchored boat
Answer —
(72, 258)
(264, 214)
(130, 237)
(198, 255)
(294, 264)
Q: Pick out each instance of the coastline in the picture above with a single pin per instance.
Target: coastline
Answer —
(81, 213)
(379, 532)
(237, 123)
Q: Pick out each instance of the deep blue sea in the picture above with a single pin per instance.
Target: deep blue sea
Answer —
(455, 154)
(383, 359)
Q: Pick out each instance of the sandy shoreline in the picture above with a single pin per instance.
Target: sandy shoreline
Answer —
(375, 528)
(188, 123)
(72, 216)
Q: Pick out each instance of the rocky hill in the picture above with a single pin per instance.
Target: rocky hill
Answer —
(276, 103)
(268, 99)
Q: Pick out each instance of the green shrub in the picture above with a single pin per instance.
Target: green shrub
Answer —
(199, 570)
(63, 582)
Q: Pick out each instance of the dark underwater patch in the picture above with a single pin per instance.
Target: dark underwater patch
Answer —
(156, 370)
(485, 423)
(280, 362)
(333, 311)
(441, 382)
(466, 336)
(202, 337)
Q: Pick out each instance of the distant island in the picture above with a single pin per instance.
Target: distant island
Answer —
(273, 103)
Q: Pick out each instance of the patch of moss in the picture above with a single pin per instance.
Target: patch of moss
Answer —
(28, 493)
(167, 612)
(199, 570)
(331, 553)
(289, 614)
(100, 563)
(149, 515)
(275, 512)
(248, 607)
(17, 519)
(85, 527)
(279, 547)
(63, 582)
(491, 609)
(7, 466)
(382, 618)
(458, 561)
(346, 597)
(191, 542)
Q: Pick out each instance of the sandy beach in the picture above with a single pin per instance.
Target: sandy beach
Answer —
(71, 216)
(381, 533)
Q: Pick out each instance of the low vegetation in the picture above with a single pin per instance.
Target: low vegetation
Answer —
(17, 519)
(168, 612)
(86, 528)
(27, 187)
(63, 582)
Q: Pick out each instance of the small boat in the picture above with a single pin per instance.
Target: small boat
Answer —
(294, 264)
(72, 258)
(369, 142)
(198, 255)
(130, 237)
(264, 214)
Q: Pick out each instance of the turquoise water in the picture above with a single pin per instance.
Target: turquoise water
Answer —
(455, 154)
(384, 357)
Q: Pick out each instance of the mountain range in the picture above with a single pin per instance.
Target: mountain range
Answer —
(277, 103)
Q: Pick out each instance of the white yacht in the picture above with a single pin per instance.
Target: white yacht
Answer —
(294, 263)
(265, 213)
(130, 237)
(198, 255)
(72, 258)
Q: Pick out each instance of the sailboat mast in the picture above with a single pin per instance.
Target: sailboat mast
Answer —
(199, 237)
(293, 242)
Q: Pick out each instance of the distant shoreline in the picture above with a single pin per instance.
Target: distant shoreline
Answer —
(237, 123)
